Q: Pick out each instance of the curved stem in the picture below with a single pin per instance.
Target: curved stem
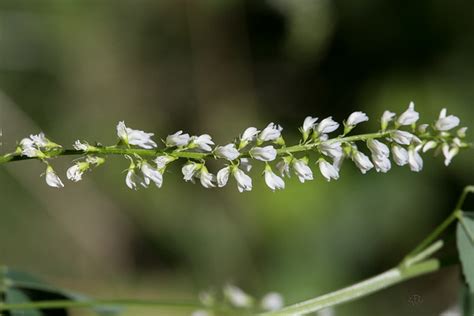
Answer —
(366, 287)
(113, 150)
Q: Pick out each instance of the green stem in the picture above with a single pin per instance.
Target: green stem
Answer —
(364, 288)
(113, 150)
(445, 224)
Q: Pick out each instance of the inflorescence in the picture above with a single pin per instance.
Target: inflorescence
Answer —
(401, 136)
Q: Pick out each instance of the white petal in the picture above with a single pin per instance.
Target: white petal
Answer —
(228, 152)
(327, 125)
(309, 123)
(223, 176)
(273, 181)
(244, 182)
(272, 301)
(410, 116)
(356, 118)
(52, 179)
(328, 171)
(267, 153)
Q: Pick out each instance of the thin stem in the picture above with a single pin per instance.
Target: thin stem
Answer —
(364, 288)
(442, 227)
(113, 150)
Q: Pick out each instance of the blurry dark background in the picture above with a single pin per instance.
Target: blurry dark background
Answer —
(74, 68)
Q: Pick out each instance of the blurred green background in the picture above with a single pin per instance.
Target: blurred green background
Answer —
(74, 68)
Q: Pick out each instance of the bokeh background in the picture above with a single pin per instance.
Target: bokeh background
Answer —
(74, 68)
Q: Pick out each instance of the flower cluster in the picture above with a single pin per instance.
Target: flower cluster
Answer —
(235, 298)
(400, 139)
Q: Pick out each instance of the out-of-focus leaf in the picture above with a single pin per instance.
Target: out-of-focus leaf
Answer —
(22, 287)
(467, 300)
(464, 236)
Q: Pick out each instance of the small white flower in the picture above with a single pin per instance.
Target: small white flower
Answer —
(223, 176)
(387, 117)
(461, 132)
(52, 178)
(200, 313)
(245, 164)
(302, 170)
(283, 166)
(337, 162)
(163, 161)
(449, 153)
(429, 145)
(31, 152)
(414, 159)
(377, 148)
(203, 142)
(81, 146)
(400, 155)
(207, 179)
(249, 134)
(244, 182)
(327, 125)
(362, 161)
(308, 124)
(445, 123)
(228, 152)
(151, 174)
(422, 128)
(131, 179)
(333, 150)
(409, 117)
(40, 140)
(382, 163)
(135, 137)
(327, 170)
(356, 118)
(94, 160)
(189, 170)
(272, 301)
(270, 133)
(273, 181)
(402, 137)
(75, 172)
(237, 297)
(267, 153)
(177, 139)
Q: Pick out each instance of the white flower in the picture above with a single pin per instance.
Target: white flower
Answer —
(337, 162)
(151, 174)
(422, 128)
(75, 172)
(177, 139)
(203, 142)
(362, 161)
(244, 182)
(273, 181)
(400, 155)
(245, 164)
(237, 297)
(81, 146)
(52, 178)
(267, 153)
(134, 136)
(270, 133)
(31, 152)
(445, 123)
(163, 161)
(356, 118)
(308, 124)
(378, 148)
(283, 166)
(429, 145)
(228, 152)
(333, 150)
(249, 134)
(327, 170)
(302, 170)
(461, 132)
(402, 137)
(207, 179)
(131, 179)
(382, 163)
(449, 153)
(223, 176)
(31, 147)
(327, 125)
(387, 116)
(189, 170)
(94, 160)
(200, 313)
(272, 301)
(40, 140)
(414, 159)
(409, 117)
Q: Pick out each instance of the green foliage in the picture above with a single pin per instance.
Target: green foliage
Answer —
(465, 242)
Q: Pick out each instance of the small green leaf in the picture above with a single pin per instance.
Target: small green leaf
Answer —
(465, 242)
